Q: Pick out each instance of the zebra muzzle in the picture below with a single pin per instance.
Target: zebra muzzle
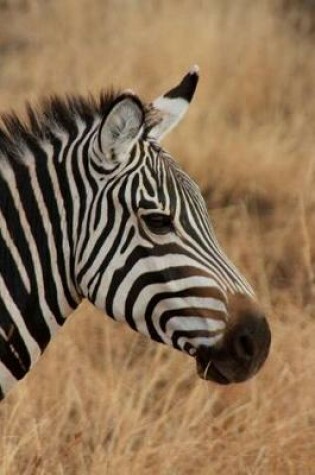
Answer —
(241, 353)
(209, 371)
(206, 367)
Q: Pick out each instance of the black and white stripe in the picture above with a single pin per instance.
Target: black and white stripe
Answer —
(79, 185)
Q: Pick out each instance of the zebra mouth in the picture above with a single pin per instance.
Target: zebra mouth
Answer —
(214, 374)
(210, 372)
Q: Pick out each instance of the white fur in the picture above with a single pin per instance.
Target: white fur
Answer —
(172, 110)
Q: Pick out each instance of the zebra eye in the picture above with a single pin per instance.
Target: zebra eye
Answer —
(158, 223)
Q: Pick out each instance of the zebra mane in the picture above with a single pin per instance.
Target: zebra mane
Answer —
(56, 113)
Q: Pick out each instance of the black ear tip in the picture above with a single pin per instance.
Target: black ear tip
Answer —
(194, 70)
(186, 88)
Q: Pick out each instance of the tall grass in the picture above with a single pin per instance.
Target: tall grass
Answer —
(104, 400)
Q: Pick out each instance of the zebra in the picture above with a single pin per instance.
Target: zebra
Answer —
(92, 207)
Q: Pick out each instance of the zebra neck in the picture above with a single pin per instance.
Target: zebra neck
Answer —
(37, 290)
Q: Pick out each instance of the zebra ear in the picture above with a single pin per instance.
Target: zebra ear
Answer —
(173, 105)
(121, 127)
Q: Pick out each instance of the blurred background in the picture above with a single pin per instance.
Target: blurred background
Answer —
(104, 400)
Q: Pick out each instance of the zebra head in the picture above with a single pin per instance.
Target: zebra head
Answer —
(153, 260)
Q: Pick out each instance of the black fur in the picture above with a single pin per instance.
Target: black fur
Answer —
(60, 113)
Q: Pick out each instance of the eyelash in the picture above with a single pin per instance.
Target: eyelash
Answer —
(158, 223)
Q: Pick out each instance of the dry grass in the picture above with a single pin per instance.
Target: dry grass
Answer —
(103, 400)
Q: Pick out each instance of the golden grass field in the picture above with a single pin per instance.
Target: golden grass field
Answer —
(104, 400)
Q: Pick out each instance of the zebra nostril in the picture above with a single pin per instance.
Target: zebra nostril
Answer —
(244, 346)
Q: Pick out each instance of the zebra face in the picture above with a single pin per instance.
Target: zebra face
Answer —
(160, 267)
